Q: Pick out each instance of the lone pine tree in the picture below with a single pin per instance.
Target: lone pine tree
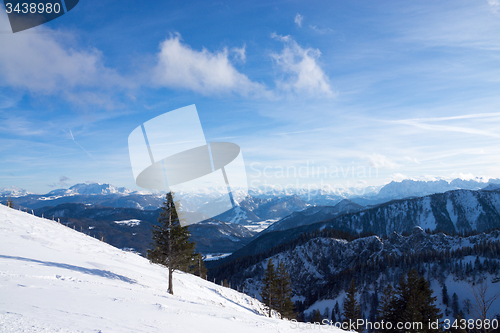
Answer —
(171, 246)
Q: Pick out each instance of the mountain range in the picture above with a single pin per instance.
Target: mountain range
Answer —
(260, 205)
(459, 211)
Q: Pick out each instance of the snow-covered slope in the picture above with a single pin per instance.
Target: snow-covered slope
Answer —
(54, 279)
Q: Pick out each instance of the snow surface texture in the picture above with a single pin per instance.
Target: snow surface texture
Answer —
(54, 279)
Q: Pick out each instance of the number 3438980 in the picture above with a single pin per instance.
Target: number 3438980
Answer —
(32, 8)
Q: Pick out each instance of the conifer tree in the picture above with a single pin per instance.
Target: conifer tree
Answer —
(171, 245)
(326, 313)
(284, 293)
(387, 310)
(352, 310)
(336, 308)
(316, 316)
(334, 317)
(454, 305)
(269, 287)
(444, 292)
(415, 302)
(199, 268)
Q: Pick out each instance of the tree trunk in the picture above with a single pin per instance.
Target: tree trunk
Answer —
(170, 282)
(270, 302)
(170, 264)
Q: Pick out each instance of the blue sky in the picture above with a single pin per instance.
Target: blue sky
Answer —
(348, 92)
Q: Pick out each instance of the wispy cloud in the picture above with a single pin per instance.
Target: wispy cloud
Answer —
(205, 72)
(469, 25)
(240, 52)
(73, 138)
(299, 69)
(62, 182)
(20, 126)
(298, 20)
(465, 116)
(425, 123)
(380, 161)
(494, 5)
(51, 64)
(321, 31)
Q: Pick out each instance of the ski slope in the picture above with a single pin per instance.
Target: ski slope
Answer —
(55, 279)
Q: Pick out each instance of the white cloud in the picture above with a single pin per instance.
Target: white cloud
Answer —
(494, 5)
(398, 177)
(240, 52)
(380, 161)
(41, 62)
(205, 72)
(281, 38)
(300, 69)
(298, 19)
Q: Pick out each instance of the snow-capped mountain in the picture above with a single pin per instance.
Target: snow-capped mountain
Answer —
(92, 194)
(97, 193)
(13, 192)
(459, 211)
(259, 209)
(55, 279)
(97, 189)
(419, 188)
(89, 189)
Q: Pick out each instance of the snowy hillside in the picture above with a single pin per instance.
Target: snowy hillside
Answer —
(54, 279)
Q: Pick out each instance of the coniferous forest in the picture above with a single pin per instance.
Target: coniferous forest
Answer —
(372, 277)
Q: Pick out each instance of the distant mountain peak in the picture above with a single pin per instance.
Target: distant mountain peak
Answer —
(13, 191)
(91, 189)
(418, 188)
